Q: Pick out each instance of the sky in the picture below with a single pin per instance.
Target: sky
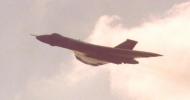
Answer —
(30, 70)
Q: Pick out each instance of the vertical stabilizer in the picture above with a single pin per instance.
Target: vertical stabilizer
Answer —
(128, 44)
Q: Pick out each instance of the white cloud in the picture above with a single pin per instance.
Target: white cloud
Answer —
(164, 78)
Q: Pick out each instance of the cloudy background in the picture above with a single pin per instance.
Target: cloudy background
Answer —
(30, 70)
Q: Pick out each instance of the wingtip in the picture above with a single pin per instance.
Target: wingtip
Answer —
(156, 55)
(159, 55)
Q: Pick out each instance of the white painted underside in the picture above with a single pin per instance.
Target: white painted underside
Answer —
(87, 59)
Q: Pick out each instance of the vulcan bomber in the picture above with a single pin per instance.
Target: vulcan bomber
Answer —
(95, 54)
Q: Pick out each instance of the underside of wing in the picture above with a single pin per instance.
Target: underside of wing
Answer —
(88, 60)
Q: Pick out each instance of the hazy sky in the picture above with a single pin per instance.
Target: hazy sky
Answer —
(30, 70)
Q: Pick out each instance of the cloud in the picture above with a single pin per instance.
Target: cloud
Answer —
(164, 78)
(82, 83)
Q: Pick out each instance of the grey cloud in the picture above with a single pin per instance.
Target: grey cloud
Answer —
(79, 17)
(93, 87)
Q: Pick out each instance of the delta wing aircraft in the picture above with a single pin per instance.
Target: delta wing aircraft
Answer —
(95, 54)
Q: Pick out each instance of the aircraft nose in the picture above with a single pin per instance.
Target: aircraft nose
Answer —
(46, 39)
(42, 38)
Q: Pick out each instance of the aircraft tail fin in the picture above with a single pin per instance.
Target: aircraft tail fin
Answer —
(128, 44)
